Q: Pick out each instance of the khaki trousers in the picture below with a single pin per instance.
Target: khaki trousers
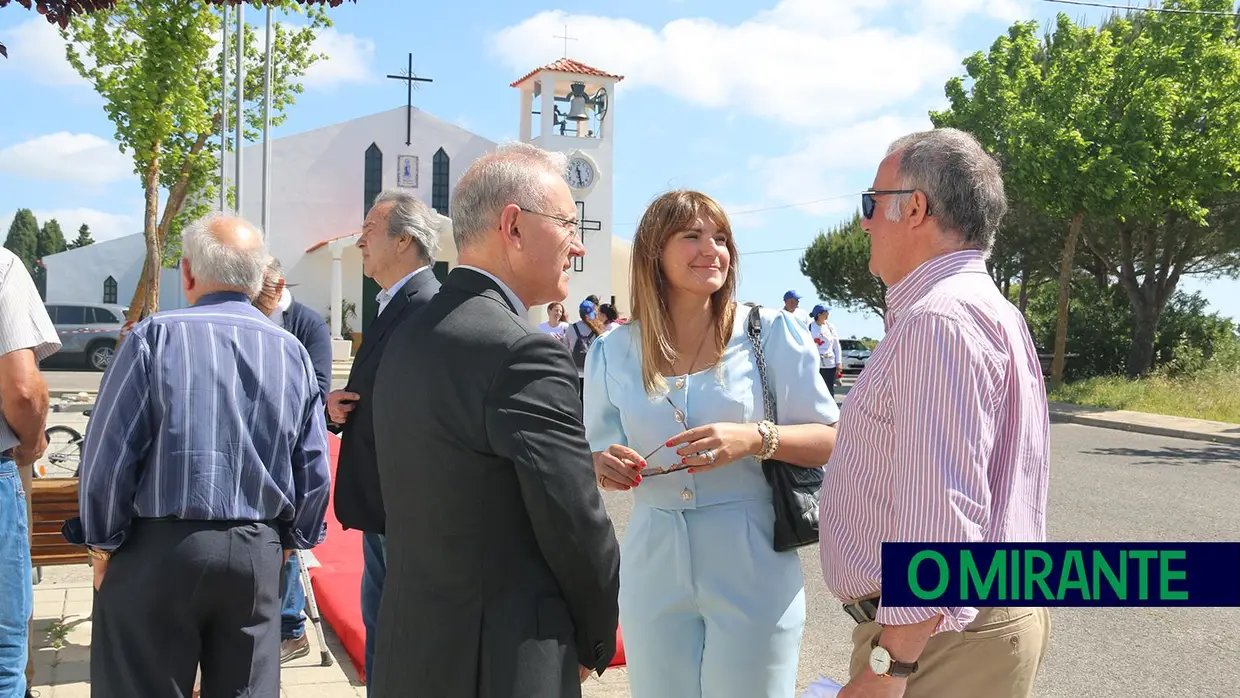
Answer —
(997, 656)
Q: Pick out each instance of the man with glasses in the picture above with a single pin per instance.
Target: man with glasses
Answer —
(948, 426)
(399, 241)
(27, 336)
(505, 566)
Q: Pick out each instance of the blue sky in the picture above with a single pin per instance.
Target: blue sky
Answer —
(780, 110)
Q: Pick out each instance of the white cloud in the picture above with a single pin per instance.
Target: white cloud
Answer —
(348, 60)
(37, 53)
(67, 157)
(103, 225)
(804, 63)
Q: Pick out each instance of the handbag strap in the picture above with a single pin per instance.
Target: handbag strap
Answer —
(753, 327)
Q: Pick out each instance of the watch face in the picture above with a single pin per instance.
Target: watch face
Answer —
(579, 173)
(880, 661)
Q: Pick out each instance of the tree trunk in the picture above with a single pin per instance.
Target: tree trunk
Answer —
(146, 294)
(1144, 331)
(1065, 291)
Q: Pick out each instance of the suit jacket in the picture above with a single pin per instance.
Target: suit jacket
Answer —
(502, 564)
(311, 330)
(358, 497)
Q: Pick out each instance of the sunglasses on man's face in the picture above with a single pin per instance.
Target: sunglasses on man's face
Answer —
(869, 202)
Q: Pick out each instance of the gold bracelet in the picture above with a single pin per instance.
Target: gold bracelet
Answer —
(103, 555)
(770, 439)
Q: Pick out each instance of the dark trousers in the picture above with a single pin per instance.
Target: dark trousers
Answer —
(374, 571)
(182, 594)
(828, 375)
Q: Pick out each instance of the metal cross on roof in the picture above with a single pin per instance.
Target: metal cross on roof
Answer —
(410, 78)
(566, 39)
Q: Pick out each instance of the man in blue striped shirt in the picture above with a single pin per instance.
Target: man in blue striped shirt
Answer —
(206, 456)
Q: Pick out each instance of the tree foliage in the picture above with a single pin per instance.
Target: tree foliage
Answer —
(83, 238)
(838, 263)
(23, 238)
(152, 63)
(51, 241)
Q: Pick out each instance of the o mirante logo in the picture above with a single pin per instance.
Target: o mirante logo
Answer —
(1061, 574)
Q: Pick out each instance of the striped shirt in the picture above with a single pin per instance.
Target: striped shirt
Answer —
(24, 323)
(944, 438)
(211, 413)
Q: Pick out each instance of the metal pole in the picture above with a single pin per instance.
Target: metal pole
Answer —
(266, 225)
(224, 113)
(239, 138)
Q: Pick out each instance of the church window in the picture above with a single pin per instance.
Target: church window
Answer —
(373, 177)
(439, 182)
(109, 290)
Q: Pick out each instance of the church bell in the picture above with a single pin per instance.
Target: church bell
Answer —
(578, 102)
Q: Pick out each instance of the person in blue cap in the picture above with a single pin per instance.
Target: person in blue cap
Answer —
(831, 357)
(792, 304)
(581, 334)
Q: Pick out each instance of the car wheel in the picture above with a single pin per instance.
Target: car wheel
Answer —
(100, 356)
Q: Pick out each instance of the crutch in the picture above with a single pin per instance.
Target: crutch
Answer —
(312, 608)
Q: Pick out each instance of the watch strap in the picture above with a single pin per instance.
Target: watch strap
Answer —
(897, 669)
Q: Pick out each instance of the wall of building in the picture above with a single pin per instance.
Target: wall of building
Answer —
(77, 276)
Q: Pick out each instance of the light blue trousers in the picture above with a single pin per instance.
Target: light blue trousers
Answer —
(708, 609)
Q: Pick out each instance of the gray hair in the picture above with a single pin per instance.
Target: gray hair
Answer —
(410, 216)
(229, 266)
(509, 175)
(961, 181)
(274, 269)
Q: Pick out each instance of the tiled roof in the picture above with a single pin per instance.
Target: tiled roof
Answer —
(568, 65)
(323, 243)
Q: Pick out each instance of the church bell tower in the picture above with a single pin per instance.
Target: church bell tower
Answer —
(567, 106)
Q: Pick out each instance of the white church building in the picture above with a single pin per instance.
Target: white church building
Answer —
(324, 181)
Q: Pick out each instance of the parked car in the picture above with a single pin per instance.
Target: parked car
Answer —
(88, 331)
(855, 355)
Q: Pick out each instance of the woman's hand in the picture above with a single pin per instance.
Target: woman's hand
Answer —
(618, 468)
(716, 445)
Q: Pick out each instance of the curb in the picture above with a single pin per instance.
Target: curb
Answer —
(1064, 416)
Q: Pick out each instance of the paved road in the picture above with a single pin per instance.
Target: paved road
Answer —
(1106, 485)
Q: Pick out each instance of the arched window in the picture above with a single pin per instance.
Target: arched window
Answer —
(109, 290)
(439, 182)
(372, 175)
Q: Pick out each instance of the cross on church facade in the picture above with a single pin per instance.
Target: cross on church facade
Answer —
(566, 39)
(409, 79)
(584, 224)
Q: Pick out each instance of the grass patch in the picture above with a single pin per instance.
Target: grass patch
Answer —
(1210, 394)
(56, 634)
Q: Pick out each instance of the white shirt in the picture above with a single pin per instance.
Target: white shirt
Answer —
(516, 302)
(388, 293)
(558, 330)
(829, 352)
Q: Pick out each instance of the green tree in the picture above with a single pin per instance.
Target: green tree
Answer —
(51, 240)
(23, 238)
(1037, 104)
(1175, 113)
(838, 263)
(150, 62)
(83, 238)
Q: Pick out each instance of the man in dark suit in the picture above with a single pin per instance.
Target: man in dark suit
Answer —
(399, 241)
(276, 302)
(503, 569)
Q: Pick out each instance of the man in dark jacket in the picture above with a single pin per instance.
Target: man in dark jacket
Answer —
(505, 566)
(276, 302)
(399, 241)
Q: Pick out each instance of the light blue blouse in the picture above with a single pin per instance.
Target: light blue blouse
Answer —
(618, 410)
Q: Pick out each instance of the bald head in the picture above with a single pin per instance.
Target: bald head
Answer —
(222, 253)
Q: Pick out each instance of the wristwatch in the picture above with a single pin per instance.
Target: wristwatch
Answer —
(881, 663)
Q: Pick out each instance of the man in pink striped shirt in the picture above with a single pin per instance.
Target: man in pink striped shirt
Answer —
(944, 437)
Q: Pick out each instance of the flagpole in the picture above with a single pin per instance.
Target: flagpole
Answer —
(239, 138)
(266, 225)
(224, 111)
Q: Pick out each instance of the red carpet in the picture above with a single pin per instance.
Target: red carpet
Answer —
(338, 582)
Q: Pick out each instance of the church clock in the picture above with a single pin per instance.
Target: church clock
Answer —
(581, 174)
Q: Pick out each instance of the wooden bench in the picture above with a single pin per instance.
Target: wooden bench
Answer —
(52, 502)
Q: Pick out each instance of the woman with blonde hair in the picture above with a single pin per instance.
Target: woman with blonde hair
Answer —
(674, 412)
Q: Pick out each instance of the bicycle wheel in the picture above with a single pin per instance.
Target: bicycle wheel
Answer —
(63, 454)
